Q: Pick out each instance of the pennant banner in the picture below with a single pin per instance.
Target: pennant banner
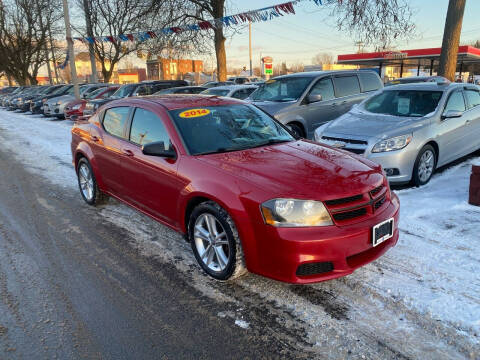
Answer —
(264, 14)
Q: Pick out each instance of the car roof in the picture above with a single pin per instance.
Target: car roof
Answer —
(430, 86)
(234, 87)
(180, 101)
(314, 74)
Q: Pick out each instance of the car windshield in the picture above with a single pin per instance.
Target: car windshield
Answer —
(227, 128)
(94, 93)
(123, 91)
(282, 89)
(411, 103)
(60, 90)
(216, 92)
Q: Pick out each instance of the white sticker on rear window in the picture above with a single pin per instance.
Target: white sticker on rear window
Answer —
(403, 105)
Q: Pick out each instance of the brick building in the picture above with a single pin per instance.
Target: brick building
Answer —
(172, 69)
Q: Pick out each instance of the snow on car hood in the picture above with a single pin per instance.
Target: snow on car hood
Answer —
(325, 173)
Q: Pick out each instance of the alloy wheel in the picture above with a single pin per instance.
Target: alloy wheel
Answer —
(211, 242)
(86, 181)
(426, 165)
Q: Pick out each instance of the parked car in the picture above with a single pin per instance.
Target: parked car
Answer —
(410, 129)
(37, 103)
(9, 97)
(16, 102)
(24, 104)
(61, 102)
(417, 79)
(304, 101)
(74, 109)
(235, 91)
(226, 174)
(240, 80)
(182, 90)
(211, 84)
(139, 89)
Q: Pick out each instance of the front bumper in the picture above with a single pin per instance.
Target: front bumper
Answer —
(347, 248)
(403, 160)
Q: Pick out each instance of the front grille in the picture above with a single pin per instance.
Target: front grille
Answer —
(344, 200)
(376, 190)
(314, 268)
(350, 214)
(348, 141)
(379, 203)
(356, 151)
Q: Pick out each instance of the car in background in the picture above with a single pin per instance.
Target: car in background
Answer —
(182, 90)
(7, 90)
(226, 175)
(304, 101)
(211, 84)
(240, 80)
(74, 109)
(410, 129)
(417, 79)
(128, 90)
(36, 104)
(235, 91)
(16, 102)
(85, 89)
(10, 96)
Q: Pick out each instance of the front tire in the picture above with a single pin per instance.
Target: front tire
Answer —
(215, 242)
(88, 184)
(424, 165)
(297, 130)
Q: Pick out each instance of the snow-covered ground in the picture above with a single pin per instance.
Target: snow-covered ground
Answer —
(429, 281)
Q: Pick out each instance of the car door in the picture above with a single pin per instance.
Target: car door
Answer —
(319, 112)
(150, 182)
(472, 118)
(347, 92)
(107, 146)
(453, 132)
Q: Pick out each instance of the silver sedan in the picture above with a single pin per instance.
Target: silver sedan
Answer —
(410, 129)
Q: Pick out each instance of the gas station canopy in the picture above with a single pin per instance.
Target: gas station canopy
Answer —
(426, 58)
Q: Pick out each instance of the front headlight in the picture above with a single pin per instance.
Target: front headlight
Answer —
(76, 107)
(295, 213)
(319, 131)
(391, 144)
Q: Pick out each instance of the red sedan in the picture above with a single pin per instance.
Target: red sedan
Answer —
(74, 109)
(243, 190)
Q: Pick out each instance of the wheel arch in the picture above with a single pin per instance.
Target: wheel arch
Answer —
(435, 146)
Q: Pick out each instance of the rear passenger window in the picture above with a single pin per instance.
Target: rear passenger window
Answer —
(147, 128)
(370, 81)
(456, 102)
(473, 98)
(346, 85)
(115, 119)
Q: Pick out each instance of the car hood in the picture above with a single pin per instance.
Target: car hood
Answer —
(371, 125)
(300, 169)
(55, 99)
(273, 107)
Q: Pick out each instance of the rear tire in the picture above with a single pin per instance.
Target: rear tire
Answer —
(88, 184)
(425, 165)
(215, 242)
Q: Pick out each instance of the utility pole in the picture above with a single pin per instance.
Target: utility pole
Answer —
(451, 39)
(45, 48)
(52, 48)
(250, 45)
(91, 50)
(71, 52)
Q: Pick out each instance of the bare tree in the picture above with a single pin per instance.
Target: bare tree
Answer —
(322, 58)
(451, 39)
(24, 26)
(375, 22)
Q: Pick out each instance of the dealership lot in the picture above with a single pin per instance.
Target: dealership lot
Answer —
(422, 295)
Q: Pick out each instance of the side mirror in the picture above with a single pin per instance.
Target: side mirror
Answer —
(311, 98)
(451, 114)
(158, 149)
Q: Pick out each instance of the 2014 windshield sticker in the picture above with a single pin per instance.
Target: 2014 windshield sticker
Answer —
(192, 113)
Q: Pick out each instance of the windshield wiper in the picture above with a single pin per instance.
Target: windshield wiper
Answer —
(224, 150)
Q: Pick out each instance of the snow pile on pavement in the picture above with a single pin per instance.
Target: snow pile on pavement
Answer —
(433, 271)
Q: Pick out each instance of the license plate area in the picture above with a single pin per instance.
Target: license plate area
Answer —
(382, 232)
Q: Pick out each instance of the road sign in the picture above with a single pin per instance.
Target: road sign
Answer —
(268, 69)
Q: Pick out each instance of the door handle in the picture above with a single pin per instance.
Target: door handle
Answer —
(127, 152)
(95, 138)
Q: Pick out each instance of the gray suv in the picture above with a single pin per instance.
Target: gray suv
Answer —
(410, 129)
(304, 101)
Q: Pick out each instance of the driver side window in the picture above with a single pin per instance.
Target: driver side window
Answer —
(323, 87)
(456, 102)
